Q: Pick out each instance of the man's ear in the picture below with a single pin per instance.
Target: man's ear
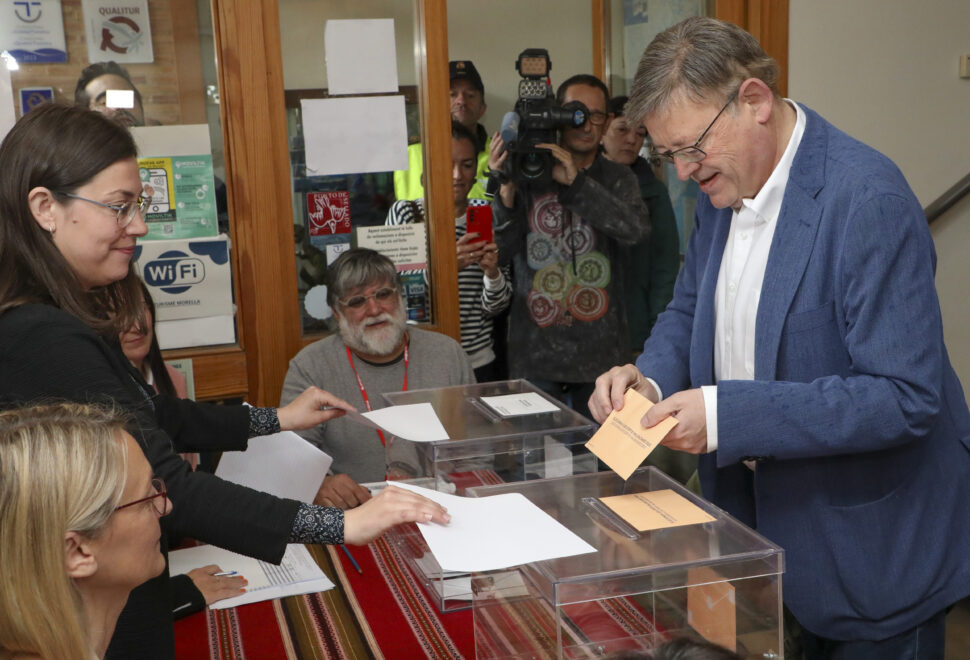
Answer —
(41, 202)
(758, 96)
(79, 562)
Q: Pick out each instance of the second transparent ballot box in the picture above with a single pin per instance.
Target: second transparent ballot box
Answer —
(498, 432)
(488, 444)
(717, 580)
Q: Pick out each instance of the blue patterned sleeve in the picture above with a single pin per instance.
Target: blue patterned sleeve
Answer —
(318, 524)
(263, 421)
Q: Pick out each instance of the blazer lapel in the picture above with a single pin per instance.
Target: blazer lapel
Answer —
(791, 245)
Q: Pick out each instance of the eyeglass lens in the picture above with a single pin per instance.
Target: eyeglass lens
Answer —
(381, 296)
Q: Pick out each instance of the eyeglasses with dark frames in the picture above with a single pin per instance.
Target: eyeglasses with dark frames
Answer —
(383, 296)
(124, 213)
(159, 499)
(693, 153)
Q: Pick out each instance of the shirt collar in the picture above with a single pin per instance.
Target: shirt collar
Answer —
(766, 205)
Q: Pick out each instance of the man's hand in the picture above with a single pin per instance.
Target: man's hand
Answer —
(611, 386)
(564, 171)
(341, 491)
(313, 407)
(392, 506)
(497, 155)
(470, 249)
(216, 588)
(690, 434)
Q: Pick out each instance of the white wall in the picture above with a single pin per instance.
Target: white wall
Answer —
(492, 33)
(886, 72)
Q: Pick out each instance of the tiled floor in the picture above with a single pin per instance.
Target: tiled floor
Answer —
(958, 631)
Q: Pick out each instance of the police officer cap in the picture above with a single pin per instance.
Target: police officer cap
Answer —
(465, 69)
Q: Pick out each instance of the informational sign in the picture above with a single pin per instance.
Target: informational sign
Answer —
(7, 114)
(328, 212)
(118, 30)
(191, 284)
(405, 245)
(176, 164)
(31, 97)
(32, 31)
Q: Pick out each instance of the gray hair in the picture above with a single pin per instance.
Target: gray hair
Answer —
(700, 59)
(357, 268)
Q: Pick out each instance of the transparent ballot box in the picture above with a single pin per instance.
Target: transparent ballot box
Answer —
(487, 446)
(717, 580)
(484, 447)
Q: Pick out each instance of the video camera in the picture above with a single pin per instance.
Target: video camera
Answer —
(536, 118)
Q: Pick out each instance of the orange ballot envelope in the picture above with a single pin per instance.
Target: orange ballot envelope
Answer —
(656, 509)
(622, 443)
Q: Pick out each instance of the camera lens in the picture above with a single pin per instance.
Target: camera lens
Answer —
(532, 165)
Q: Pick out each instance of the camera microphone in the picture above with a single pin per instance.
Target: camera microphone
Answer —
(510, 127)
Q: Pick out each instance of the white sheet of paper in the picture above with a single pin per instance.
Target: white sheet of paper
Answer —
(173, 140)
(488, 533)
(297, 574)
(196, 332)
(355, 135)
(417, 422)
(8, 115)
(282, 464)
(361, 56)
(524, 403)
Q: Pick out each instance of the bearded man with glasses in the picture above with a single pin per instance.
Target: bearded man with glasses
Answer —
(374, 351)
(803, 354)
(567, 321)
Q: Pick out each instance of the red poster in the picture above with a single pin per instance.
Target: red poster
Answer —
(329, 212)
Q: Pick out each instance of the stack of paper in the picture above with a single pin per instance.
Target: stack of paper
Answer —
(297, 574)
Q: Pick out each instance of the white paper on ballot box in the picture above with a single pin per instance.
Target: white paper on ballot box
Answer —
(500, 531)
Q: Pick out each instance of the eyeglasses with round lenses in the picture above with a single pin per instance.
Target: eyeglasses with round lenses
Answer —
(693, 153)
(597, 118)
(124, 213)
(159, 499)
(383, 296)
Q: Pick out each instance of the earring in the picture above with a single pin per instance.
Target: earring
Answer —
(51, 228)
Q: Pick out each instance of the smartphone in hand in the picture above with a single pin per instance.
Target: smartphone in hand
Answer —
(479, 219)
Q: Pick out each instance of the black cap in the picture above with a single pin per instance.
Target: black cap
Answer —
(465, 69)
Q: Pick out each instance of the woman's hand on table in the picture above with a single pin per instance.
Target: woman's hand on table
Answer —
(392, 506)
(215, 587)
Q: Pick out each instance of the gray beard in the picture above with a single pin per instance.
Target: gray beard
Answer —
(381, 343)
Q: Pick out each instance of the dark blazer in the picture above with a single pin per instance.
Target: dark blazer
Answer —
(857, 420)
(47, 354)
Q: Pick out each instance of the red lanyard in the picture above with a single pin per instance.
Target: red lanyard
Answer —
(363, 390)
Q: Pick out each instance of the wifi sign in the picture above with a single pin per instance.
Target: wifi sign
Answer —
(174, 272)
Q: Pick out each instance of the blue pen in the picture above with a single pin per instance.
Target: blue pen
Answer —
(351, 558)
(223, 573)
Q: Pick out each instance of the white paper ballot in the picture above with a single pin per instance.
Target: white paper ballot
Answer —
(282, 464)
(355, 135)
(488, 533)
(297, 574)
(361, 56)
(524, 403)
(417, 422)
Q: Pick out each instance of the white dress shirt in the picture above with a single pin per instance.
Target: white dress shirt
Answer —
(740, 278)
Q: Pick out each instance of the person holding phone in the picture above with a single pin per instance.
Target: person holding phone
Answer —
(484, 289)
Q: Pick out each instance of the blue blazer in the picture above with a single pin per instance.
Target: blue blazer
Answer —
(855, 416)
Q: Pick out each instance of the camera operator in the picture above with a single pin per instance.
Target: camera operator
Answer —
(562, 236)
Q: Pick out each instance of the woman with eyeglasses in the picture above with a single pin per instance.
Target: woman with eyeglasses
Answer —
(79, 512)
(71, 207)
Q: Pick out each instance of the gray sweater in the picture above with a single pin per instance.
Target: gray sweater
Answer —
(435, 360)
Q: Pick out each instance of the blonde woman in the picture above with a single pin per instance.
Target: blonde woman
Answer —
(79, 529)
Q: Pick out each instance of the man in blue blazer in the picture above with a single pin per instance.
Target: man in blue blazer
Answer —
(803, 351)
